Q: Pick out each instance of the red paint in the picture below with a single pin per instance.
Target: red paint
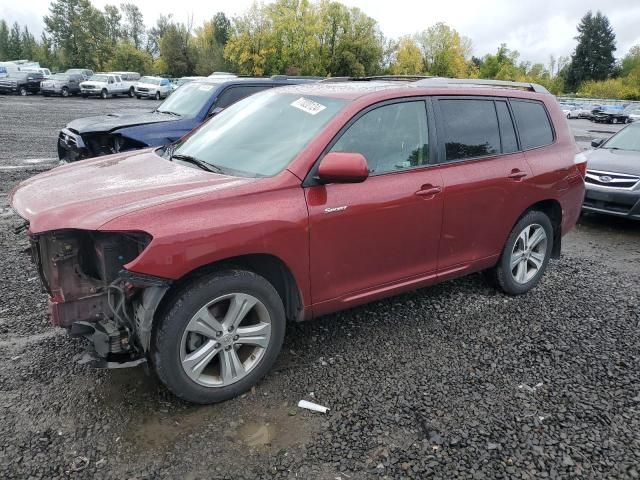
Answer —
(399, 231)
(339, 167)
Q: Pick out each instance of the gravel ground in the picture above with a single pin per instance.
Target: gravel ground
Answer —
(454, 381)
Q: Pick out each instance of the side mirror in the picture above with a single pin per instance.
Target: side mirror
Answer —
(215, 111)
(343, 167)
(597, 143)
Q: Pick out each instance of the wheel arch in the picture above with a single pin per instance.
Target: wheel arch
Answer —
(271, 267)
(553, 210)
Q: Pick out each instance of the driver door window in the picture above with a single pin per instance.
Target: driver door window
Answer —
(392, 137)
(234, 94)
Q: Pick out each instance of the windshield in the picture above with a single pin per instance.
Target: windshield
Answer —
(626, 139)
(99, 78)
(60, 76)
(188, 100)
(150, 80)
(260, 135)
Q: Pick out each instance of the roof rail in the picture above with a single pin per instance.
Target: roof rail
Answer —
(389, 78)
(443, 81)
(295, 77)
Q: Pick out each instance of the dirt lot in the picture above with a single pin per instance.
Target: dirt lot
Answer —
(456, 381)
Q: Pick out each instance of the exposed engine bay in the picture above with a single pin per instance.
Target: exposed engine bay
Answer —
(93, 296)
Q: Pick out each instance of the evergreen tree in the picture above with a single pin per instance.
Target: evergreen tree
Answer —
(593, 58)
(4, 40)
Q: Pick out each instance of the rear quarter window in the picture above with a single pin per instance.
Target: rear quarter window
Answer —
(533, 124)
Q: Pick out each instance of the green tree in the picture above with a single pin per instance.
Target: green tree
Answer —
(133, 28)
(444, 51)
(155, 34)
(77, 32)
(222, 28)
(593, 58)
(501, 66)
(249, 45)
(113, 27)
(29, 44)
(14, 45)
(631, 61)
(209, 51)
(126, 57)
(408, 59)
(4, 40)
(176, 52)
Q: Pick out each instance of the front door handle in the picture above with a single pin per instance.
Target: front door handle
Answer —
(428, 190)
(517, 174)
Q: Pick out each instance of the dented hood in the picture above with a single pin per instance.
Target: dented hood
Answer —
(90, 193)
(113, 121)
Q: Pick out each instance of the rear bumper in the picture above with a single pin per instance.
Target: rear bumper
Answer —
(610, 201)
(71, 146)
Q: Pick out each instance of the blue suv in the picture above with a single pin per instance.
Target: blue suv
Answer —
(188, 107)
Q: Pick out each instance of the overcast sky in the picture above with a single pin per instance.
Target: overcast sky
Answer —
(536, 28)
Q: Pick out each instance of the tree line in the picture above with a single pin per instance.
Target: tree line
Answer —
(306, 37)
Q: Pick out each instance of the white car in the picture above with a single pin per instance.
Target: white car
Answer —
(634, 114)
(569, 112)
(153, 87)
(129, 80)
(103, 85)
(46, 73)
(181, 81)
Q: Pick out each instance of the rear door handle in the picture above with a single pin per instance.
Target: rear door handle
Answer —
(428, 190)
(517, 174)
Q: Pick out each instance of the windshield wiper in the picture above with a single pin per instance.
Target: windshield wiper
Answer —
(168, 112)
(202, 164)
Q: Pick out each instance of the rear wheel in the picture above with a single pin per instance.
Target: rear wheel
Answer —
(23, 91)
(64, 92)
(131, 92)
(525, 255)
(219, 336)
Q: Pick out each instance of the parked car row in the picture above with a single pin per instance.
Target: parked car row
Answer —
(290, 203)
(602, 113)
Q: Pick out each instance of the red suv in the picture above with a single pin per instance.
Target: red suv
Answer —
(295, 203)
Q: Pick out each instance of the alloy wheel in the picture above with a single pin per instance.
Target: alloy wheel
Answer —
(529, 253)
(225, 340)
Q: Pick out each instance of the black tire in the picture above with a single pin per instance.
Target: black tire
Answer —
(104, 94)
(45, 94)
(131, 92)
(64, 92)
(157, 96)
(182, 306)
(23, 92)
(501, 275)
(84, 95)
(138, 97)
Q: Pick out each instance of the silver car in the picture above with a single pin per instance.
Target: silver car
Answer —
(63, 84)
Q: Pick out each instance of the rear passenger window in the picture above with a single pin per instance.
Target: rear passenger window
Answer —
(507, 131)
(470, 128)
(234, 94)
(391, 138)
(533, 124)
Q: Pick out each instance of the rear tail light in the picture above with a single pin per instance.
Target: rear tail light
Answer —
(580, 161)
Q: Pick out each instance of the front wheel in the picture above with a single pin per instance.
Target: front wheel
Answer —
(525, 255)
(64, 92)
(23, 92)
(103, 94)
(219, 336)
(157, 96)
(131, 92)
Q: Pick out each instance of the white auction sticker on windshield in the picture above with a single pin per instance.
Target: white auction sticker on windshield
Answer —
(308, 106)
(205, 88)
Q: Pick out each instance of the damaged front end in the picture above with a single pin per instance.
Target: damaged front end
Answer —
(72, 146)
(93, 296)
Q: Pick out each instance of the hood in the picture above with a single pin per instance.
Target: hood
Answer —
(90, 193)
(614, 161)
(113, 121)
